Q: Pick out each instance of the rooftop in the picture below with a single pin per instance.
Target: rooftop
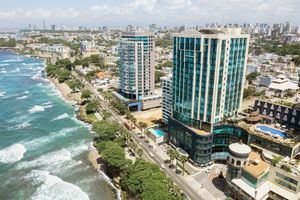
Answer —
(240, 148)
(251, 128)
(198, 131)
(211, 31)
(234, 32)
(256, 167)
(283, 84)
(137, 33)
(256, 193)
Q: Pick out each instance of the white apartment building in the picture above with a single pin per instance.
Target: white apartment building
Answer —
(166, 86)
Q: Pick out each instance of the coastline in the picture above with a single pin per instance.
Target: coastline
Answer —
(65, 91)
(93, 155)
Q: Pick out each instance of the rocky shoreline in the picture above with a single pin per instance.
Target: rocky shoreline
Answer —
(93, 155)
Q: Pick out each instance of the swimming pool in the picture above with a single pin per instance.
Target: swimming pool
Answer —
(267, 129)
(157, 132)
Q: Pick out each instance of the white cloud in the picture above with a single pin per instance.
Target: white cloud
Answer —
(167, 12)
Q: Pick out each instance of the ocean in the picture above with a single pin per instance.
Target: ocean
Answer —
(43, 147)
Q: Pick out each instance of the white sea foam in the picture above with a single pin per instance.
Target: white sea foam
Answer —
(47, 103)
(11, 96)
(26, 92)
(16, 70)
(2, 94)
(20, 126)
(12, 154)
(64, 131)
(55, 161)
(39, 108)
(3, 71)
(12, 60)
(42, 141)
(36, 109)
(60, 117)
(33, 64)
(108, 180)
(21, 97)
(48, 106)
(53, 187)
(4, 64)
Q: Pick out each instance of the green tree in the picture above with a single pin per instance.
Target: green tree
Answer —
(249, 92)
(106, 130)
(146, 181)
(8, 43)
(276, 159)
(73, 85)
(147, 133)
(91, 107)
(114, 156)
(86, 94)
(183, 159)
(143, 126)
(77, 62)
(252, 76)
(65, 63)
(139, 152)
(163, 42)
(158, 75)
(168, 64)
(62, 75)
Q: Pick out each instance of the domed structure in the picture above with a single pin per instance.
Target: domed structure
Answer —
(237, 159)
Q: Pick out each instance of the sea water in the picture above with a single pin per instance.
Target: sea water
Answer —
(43, 147)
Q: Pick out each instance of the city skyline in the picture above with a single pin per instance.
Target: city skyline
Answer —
(18, 14)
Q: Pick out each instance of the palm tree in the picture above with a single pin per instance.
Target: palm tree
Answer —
(143, 126)
(134, 147)
(176, 157)
(133, 120)
(147, 133)
(127, 137)
(183, 159)
(172, 154)
(139, 152)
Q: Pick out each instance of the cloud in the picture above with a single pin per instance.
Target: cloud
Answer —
(166, 12)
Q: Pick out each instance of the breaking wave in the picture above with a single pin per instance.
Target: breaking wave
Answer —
(12, 154)
(53, 187)
(22, 97)
(36, 109)
(63, 116)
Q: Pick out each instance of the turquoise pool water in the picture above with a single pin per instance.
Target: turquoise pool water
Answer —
(267, 129)
(157, 132)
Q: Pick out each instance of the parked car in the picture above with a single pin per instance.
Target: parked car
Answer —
(151, 155)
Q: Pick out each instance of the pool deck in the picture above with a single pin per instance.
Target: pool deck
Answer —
(154, 132)
(251, 128)
(272, 130)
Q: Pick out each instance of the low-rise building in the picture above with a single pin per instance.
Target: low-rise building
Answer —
(281, 86)
(259, 180)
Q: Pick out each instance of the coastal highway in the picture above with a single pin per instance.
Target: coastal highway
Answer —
(178, 179)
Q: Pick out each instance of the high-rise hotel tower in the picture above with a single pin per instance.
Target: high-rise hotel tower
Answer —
(208, 80)
(137, 64)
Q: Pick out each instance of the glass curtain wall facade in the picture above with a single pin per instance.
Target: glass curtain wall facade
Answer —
(208, 76)
(224, 135)
(198, 146)
(136, 64)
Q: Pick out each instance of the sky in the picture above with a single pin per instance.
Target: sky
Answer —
(21, 13)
